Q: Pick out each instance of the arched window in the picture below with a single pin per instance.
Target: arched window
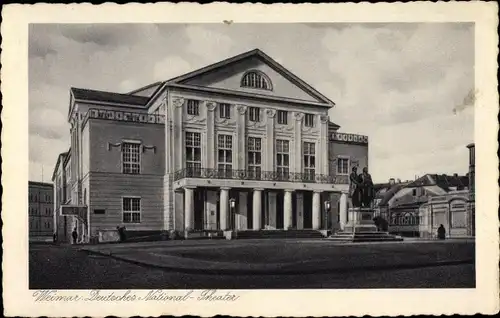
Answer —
(256, 79)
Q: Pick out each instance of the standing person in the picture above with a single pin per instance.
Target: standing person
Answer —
(441, 232)
(74, 234)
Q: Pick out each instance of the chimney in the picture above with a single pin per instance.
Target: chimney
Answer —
(391, 181)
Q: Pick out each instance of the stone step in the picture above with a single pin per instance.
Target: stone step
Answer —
(279, 234)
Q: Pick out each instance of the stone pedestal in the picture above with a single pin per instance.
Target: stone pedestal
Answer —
(360, 221)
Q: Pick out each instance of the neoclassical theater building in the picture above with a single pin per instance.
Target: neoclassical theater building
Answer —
(240, 144)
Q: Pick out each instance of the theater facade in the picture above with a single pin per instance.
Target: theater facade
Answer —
(242, 144)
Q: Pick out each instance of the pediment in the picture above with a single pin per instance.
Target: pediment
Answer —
(228, 75)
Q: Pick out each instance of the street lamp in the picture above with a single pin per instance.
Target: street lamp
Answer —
(232, 205)
(327, 210)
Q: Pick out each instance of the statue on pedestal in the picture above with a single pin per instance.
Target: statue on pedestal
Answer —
(367, 190)
(355, 188)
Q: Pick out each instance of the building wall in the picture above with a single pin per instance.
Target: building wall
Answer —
(106, 185)
(109, 159)
(450, 210)
(41, 210)
(356, 153)
(221, 79)
(106, 191)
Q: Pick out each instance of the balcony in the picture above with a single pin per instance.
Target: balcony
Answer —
(204, 173)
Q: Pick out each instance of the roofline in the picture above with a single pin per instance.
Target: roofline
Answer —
(144, 87)
(249, 95)
(45, 184)
(58, 162)
(278, 67)
(110, 103)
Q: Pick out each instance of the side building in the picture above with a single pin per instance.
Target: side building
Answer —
(40, 211)
(242, 144)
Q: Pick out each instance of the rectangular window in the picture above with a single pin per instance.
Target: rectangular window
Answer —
(309, 161)
(131, 157)
(193, 153)
(309, 120)
(193, 107)
(342, 166)
(225, 155)
(282, 117)
(131, 210)
(254, 158)
(282, 159)
(99, 211)
(224, 110)
(254, 114)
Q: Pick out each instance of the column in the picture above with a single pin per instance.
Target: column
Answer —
(343, 210)
(240, 144)
(272, 199)
(256, 208)
(287, 209)
(224, 206)
(316, 210)
(188, 208)
(300, 210)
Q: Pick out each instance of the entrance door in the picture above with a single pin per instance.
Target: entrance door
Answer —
(280, 210)
(199, 209)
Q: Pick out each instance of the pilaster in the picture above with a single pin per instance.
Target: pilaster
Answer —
(298, 142)
(270, 140)
(240, 144)
(178, 152)
(323, 145)
(210, 138)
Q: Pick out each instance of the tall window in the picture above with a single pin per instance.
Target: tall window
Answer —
(193, 107)
(282, 117)
(309, 120)
(131, 157)
(256, 79)
(254, 157)
(193, 153)
(282, 159)
(225, 155)
(309, 160)
(131, 210)
(343, 166)
(254, 114)
(224, 110)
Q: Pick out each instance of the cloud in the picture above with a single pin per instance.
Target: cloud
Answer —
(171, 66)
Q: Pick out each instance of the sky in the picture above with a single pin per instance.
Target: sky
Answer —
(406, 86)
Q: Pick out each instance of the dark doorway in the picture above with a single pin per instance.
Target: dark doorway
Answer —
(307, 209)
(294, 210)
(199, 209)
(249, 210)
(280, 209)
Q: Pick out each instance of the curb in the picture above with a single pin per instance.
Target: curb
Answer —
(283, 271)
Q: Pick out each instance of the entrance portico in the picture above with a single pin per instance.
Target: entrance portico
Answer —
(208, 208)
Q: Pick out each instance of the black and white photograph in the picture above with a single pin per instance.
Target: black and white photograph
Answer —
(228, 156)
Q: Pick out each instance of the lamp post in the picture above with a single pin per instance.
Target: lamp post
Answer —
(232, 205)
(327, 210)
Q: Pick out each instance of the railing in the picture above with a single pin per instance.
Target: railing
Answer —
(204, 173)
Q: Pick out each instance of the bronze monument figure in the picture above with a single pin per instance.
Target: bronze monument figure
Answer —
(367, 190)
(355, 188)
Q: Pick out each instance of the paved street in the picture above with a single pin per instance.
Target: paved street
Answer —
(53, 267)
